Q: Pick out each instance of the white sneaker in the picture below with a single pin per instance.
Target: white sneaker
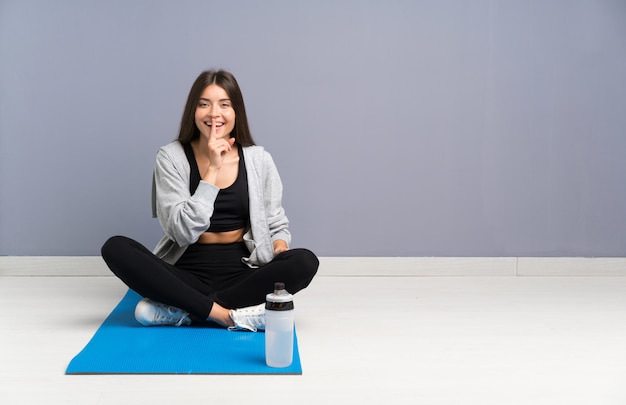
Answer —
(152, 313)
(250, 318)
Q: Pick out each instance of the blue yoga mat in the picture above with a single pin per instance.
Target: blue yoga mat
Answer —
(123, 346)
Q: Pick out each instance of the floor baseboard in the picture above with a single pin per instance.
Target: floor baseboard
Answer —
(74, 266)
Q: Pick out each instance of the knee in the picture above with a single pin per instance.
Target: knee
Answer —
(307, 262)
(113, 246)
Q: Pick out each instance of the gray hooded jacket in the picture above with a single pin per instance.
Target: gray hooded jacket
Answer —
(184, 217)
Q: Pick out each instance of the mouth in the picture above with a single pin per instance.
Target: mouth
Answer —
(217, 124)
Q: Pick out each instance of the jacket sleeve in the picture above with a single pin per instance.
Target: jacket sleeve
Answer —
(183, 217)
(277, 220)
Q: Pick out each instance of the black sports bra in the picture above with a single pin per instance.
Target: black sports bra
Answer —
(231, 207)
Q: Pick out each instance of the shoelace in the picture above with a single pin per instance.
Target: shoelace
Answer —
(252, 316)
(171, 315)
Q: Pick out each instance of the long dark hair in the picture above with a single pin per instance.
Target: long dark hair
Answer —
(188, 129)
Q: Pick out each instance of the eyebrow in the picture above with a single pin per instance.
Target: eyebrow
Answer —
(206, 99)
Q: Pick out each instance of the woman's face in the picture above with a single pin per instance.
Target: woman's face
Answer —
(215, 108)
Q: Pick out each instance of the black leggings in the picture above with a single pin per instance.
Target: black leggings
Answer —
(206, 274)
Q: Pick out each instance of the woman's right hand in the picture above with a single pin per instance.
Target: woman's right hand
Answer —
(218, 147)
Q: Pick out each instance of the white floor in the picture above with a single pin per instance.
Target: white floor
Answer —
(373, 340)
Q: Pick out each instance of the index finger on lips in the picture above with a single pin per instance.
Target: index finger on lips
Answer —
(213, 131)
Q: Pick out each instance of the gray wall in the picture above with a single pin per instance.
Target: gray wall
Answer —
(401, 128)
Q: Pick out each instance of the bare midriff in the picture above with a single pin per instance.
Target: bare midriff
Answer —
(210, 238)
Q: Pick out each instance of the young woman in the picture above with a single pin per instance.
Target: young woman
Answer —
(226, 238)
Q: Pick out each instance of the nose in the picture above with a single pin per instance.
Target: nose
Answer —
(213, 111)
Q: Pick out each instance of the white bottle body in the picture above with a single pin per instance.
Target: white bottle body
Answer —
(279, 338)
(279, 327)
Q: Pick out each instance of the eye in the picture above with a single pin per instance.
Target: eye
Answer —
(225, 105)
(203, 104)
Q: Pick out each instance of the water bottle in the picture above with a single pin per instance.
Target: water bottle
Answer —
(279, 327)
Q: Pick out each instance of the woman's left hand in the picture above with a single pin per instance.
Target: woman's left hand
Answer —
(280, 246)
